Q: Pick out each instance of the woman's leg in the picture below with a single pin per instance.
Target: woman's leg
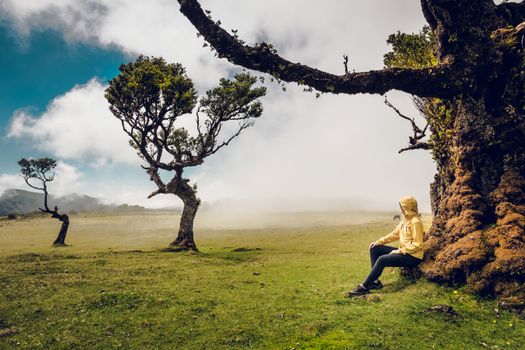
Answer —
(378, 251)
(390, 260)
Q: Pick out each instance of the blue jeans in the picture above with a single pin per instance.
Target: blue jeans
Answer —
(380, 258)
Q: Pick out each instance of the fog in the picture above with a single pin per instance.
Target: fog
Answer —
(335, 152)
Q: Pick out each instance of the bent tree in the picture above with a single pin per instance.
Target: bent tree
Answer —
(150, 96)
(472, 93)
(37, 173)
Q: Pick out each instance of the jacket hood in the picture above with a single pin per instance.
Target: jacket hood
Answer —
(409, 206)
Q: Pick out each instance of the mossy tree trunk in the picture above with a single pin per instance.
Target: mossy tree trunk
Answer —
(478, 141)
(477, 234)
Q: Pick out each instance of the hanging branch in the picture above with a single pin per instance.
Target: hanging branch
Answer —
(419, 133)
(513, 13)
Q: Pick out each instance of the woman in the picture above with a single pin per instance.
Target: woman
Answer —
(410, 233)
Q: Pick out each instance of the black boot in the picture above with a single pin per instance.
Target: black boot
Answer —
(359, 290)
(376, 285)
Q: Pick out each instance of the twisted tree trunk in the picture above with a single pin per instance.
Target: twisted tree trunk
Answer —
(185, 240)
(60, 241)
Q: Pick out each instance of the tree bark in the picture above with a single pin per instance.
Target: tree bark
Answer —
(60, 241)
(185, 239)
(477, 235)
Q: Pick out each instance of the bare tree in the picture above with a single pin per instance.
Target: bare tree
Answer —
(150, 95)
(37, 173)
(474, 98)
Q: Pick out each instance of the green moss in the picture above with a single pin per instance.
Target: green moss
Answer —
(412, 50)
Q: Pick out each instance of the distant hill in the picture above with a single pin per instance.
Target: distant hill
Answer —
(14, 201)
(19, 202)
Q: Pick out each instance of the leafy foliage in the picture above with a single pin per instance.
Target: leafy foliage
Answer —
(151, 84)
(150, 94)
(412, 50)
(37, 168)
(418, 51)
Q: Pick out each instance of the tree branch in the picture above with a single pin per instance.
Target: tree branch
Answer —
(418, 133)
(26, 179)
(436, 81)
(419, 145)
(428, 14)
(155, 177)
(45, 197)
(513, 13)
(242, 126)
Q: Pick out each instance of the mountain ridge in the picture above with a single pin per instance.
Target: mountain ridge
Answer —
(17, 201)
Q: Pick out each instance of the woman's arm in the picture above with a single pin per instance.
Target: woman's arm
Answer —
(391, 237)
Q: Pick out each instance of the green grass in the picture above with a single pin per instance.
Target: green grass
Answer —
(114, 288)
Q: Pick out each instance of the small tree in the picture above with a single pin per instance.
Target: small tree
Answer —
(149, 96)
(41, 171)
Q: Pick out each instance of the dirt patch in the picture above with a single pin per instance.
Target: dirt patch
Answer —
(6, 330)
(445, 310)
(244, 249)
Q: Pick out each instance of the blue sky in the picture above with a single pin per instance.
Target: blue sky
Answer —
(39, 67)
(57, 56)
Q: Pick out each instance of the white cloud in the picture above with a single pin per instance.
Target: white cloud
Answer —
(320, 32)
(76, 19)
(309, 31)
(117, 192)
(10, 181)
(137, 27)
(76, 125)
(67, 180)
(335, 146)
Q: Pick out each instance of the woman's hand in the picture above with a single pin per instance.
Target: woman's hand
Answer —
(372, 245)
(397, 251)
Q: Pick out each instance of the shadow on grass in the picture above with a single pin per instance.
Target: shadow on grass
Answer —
(399, 285)
(177, 248)
(377, 295)
(244, 249)
(237, 255)
(33, 257)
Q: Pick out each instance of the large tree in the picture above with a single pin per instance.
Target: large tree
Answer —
(473, 96)
(150, 97)
(37, 173)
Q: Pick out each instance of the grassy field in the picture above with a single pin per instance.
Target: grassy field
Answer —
(275, 281)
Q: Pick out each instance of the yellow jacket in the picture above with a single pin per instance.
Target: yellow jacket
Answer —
(410, 230)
